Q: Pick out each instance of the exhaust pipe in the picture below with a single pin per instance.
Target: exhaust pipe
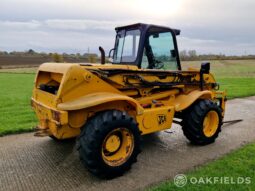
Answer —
(102, 55)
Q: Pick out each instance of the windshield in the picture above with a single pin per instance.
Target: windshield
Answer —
(159, 52)
(126, 46)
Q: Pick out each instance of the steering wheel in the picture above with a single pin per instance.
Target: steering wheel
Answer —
(159, 64)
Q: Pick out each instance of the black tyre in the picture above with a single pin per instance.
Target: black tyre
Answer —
(109, 143)
(202, 122)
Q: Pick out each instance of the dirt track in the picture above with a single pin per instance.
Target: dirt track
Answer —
(30, 163)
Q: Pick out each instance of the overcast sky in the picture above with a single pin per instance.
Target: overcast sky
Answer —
(208, 26)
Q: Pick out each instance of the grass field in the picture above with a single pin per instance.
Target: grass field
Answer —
(235, 76)
(238, 77)
(24, 70)
(16, 114)
(240, 163)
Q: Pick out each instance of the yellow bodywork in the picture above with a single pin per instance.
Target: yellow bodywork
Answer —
(84, 90)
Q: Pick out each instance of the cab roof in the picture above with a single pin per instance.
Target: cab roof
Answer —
(144, 26)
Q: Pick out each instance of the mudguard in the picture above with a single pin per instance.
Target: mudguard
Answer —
(183, 101)
(95, 99)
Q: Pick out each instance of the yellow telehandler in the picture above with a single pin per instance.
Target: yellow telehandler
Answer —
(108, 107)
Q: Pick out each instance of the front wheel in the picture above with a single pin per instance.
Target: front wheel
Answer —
(202, 122)
(109, 143)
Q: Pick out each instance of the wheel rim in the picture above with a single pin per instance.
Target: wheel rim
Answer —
(211, 123)
(117, 146)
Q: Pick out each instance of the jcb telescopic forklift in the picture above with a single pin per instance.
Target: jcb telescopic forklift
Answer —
(108, 107)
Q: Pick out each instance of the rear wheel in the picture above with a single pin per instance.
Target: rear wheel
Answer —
(109, 143)
(202, 122)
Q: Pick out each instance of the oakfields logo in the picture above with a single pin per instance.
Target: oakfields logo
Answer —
(181, 180)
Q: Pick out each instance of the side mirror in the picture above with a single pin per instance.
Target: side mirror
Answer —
(155, 35)
(205, 68)
(110, 53)
(173, 53)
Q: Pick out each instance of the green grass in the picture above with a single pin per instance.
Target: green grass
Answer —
(16, 114)
(19, 70)
(240, 163)
(237, 87)
(235, 76)
(227, 68)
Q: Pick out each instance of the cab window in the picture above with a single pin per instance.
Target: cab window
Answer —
(159, 52)
(126, 46)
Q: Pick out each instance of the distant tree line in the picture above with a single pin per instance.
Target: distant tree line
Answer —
(55, 57)
(190, 55)
(32, 52)
(185, 55)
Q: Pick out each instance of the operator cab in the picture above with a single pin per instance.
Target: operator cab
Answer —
(146, 46)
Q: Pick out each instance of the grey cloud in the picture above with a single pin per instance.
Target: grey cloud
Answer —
(79, 24)
(11, 25)
(215, 46)
(63, 25)
(49, 36)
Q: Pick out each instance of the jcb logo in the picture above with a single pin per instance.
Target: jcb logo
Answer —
(161, 119)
